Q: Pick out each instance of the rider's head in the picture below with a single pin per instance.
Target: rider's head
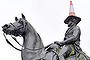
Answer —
(72, 20)
(71, 23)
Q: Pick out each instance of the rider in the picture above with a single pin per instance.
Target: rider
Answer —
(71, 42)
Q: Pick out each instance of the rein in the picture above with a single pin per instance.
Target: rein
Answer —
(18, 44)
(27, 48)
(10, 43)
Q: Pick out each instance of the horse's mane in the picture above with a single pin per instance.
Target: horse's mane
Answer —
(30, 28)
(33, 32)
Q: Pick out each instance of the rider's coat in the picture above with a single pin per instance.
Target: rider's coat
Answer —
(72, 37)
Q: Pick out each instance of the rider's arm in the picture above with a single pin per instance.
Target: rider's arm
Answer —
(74, 37)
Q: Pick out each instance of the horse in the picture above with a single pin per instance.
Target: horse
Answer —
(32, 47)
(32, 43)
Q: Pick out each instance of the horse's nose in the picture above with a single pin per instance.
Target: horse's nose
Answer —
(5, 26)
(5, 29)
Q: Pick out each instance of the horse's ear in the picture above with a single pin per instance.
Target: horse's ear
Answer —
(16, 18)
(23, 16)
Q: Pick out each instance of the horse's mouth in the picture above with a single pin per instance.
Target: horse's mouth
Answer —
(6, 31)
(10, 32)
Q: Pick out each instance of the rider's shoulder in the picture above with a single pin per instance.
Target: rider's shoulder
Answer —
(77, 27)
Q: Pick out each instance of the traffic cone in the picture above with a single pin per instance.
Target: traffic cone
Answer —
(72, 16)
(71, 10)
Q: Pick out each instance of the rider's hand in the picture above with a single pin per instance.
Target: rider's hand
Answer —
(59, 43)
(56, 42)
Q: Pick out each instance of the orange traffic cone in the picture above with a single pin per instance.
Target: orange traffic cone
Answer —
(71, 10)
(72, 16)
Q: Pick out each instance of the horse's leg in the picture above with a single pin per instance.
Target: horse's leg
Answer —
(22, 55)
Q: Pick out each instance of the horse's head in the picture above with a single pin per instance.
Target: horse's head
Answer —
(17, 28)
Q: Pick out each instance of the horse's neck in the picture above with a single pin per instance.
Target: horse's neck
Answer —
(32, 39)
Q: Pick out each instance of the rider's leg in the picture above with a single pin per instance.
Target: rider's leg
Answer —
(65, 51)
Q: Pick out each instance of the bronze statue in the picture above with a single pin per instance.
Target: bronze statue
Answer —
(33, 48)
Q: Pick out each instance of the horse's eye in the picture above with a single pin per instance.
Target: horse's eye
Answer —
(21, 22)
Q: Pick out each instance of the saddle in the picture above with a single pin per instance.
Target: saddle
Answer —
(74, 55)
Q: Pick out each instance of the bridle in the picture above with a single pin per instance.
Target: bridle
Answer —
(14, 38)
(16, 29)
(17, 41)
(13, 25)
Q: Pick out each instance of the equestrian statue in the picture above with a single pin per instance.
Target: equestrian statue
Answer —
(33, 47)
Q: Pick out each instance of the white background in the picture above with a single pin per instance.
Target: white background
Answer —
(47, 17)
